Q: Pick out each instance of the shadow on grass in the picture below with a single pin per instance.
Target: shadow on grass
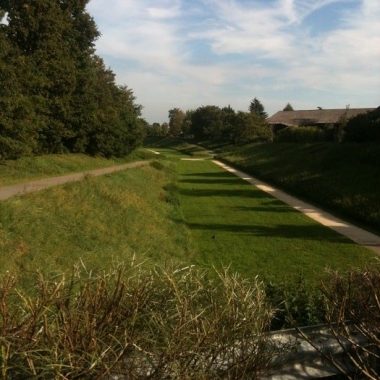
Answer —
(249, 193)
(214, 181)
(269, 208)
(212, 174)
(278, 231)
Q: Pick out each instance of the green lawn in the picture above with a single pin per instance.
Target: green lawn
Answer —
(343, 178)
(35, 167)
(235, 224)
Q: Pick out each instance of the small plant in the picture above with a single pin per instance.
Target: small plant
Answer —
(353, 319)
(134, 322)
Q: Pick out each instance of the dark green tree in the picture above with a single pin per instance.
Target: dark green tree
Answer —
(257, 108)
(176, 118)
(18, 121)
(288, 107)
(207, 122)
(56, 93)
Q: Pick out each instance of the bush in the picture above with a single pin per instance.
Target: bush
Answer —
(364, 127)
(156, 323)
(353, 317)
(301, 134)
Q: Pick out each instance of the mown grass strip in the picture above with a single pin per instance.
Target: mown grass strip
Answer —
(236, 224)
(343, 178)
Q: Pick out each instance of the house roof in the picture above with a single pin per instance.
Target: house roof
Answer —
(319, 116)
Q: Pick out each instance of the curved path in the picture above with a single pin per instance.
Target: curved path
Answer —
(354, 233)
(37, 185)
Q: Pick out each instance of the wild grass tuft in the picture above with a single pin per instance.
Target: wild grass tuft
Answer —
(134, 322)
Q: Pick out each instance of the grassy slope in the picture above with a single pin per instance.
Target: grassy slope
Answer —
(139, 212)
(235, 224)
(28, 168)
(97, 220)
(344, 178)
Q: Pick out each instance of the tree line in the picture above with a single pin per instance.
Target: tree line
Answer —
(215, 123)
(56, 94)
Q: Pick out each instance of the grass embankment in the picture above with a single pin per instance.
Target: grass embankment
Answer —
(344, 178)
(99, 220)
(36, 167)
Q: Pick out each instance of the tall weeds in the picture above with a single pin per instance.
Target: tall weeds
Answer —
(134, 323)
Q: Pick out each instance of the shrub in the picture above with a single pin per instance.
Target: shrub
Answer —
(142, 323)
(364, 127)
(301, 134)
(353, 317)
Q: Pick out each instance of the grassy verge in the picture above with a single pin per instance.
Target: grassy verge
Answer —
(99, 221)
(344, 178)
(28, 168)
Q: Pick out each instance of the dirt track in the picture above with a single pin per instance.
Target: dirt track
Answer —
(32, 186)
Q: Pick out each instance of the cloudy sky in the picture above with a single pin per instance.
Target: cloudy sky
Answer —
(187, 53)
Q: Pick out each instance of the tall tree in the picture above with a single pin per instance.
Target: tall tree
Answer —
(74, 102)
(18, 124)
(257, 108)
(176, 119)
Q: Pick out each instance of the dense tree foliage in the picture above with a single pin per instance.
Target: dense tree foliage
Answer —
(225, 124)
(364, 127)
(257, 108)
(176, 119)
(56, 95)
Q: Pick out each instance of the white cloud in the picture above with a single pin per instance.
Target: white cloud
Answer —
(257, 46)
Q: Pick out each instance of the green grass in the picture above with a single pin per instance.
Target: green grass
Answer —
(99, 221)
(35, 167)
(344, 178)
(181, 211)
(235, 224)
(175, 148)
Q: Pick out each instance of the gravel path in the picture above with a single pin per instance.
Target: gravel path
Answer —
(32, 186)
(356, 234)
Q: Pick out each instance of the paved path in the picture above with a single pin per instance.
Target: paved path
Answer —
(356, 234)
(30, 187)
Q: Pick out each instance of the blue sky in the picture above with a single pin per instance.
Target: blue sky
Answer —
(187, 53)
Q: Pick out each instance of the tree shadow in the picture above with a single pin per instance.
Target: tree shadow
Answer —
(241, 193)
(213, 181)
(307, 232)
(207, 174)
(270, 208)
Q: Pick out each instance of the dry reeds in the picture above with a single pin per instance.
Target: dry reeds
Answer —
(134, 323)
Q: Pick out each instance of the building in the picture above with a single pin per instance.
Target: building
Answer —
(319, 117)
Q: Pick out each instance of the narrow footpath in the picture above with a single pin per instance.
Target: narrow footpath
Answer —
(37, 185)
(354, 233)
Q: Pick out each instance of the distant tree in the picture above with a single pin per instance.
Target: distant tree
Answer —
(257, 108)
(250, 127)
(186, 124)
(207, 123)
(176, 118)
(165, 129)
(288, 107)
